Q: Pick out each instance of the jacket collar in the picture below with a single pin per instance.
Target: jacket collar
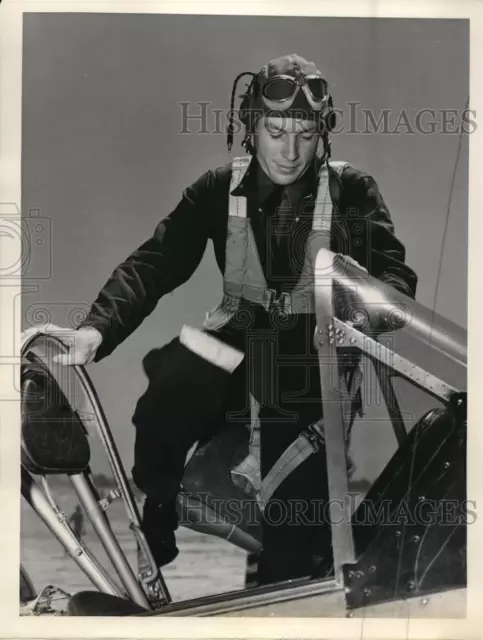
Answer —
(256, 181)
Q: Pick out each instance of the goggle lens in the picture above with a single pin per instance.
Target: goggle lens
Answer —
(317, 88)
(279, 89)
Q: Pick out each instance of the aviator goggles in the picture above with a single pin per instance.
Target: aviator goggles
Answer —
(279, 92)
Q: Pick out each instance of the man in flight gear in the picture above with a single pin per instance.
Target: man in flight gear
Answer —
(260, 211)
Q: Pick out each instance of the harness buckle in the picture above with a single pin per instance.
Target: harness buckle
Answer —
(282, 303)
(268, 298)
(314, 437)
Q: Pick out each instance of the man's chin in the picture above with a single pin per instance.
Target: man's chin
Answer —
(285, 177)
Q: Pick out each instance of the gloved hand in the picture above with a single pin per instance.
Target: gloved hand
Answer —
(82, 343)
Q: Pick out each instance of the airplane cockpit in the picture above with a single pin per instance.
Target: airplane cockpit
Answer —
(398, 543)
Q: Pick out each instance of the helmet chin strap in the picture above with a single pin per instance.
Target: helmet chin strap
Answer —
(327, 148)
(247, 143)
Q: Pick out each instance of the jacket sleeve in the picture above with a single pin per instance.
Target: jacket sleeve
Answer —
(382, 254)
(161, 264)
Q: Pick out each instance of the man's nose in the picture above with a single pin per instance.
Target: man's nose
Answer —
(291, 148)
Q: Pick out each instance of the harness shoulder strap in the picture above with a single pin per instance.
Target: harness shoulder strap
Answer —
(338, 165)
(322, 220)
(237, 205)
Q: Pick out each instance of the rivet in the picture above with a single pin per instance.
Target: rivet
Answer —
(459, 402)
(424, 602)
(446, 465)
(321, 342)
(260, 210)
(331, 327)
(350, 575)
(421, 498)
(297, 219)
(367, 592)
(353, 340)
(350, 614)
(397, 534)
(331, 341)
(341, 340)
(416, 538)
(319, 331)
(411, 585)
(359, 574)
(372, 568)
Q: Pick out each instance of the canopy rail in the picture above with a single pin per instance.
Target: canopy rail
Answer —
(400, 337)
(55, 521)
(390, 398)
(335, 420)
(149, 589)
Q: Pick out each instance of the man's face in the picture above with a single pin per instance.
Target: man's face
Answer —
(285, 147)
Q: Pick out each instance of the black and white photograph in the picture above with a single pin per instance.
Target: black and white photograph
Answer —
(243, 317)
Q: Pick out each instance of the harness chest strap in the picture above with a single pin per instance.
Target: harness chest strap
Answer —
(244, 274)
(243, 277)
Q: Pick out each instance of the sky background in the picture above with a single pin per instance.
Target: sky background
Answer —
(103, 159)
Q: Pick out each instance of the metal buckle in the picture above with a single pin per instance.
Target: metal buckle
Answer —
(284, 302)
(281, 303)
(313, 437)
(268, 298)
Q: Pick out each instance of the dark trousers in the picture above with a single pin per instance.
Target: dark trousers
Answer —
(188, 399)
(296, 534)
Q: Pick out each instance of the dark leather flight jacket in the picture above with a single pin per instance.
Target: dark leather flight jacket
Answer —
(361, 228)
